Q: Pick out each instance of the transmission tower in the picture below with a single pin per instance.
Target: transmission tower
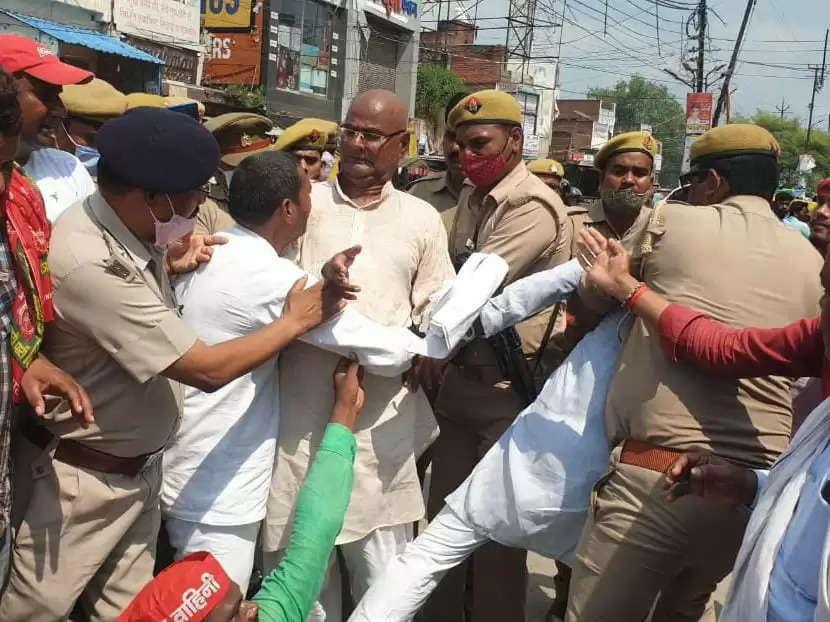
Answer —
(520, 25)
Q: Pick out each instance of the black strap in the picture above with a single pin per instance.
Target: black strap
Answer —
(546, 338)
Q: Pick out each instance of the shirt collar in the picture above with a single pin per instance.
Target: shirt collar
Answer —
(385, 192)
(508, 183)
(108, 219)
(751, 203)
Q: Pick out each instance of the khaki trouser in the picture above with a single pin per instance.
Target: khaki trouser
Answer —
(79, 535)
(495, 574)
(635, 546)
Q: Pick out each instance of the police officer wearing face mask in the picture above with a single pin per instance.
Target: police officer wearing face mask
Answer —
(88, 107)
(508, 211)
(119, 332)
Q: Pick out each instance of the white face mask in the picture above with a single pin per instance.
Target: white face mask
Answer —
(174, 229)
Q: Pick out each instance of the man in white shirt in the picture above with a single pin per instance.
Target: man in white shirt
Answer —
(404, 261)
(218, 470)
(60, 176)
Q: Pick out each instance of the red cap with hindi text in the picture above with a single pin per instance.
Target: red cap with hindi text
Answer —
(187, 590)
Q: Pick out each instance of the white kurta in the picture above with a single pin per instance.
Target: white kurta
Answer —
(404, 260)
(218, 469)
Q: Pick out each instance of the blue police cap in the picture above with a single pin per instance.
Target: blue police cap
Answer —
(158, 150)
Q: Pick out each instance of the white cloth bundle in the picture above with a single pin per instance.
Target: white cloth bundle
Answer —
(453, 308)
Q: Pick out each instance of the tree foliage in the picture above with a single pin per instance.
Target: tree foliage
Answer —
(792, 136)
(641, 101)
(436, 85)
(244, 96)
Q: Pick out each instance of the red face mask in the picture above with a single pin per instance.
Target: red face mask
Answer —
(483, 170)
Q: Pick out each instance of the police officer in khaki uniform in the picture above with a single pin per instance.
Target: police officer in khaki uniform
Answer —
(88, 107)
(87, 518)
(549, 171)
(306, 139)
(442, 189)
(626, 167)
(723, 256)
(239, 135)
(507, 211)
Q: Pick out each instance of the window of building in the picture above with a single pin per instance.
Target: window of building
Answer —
(304, 47)
(529, 103)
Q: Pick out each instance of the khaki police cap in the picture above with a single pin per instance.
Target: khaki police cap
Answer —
(642, 142)
(486, 107)
(96, 100)
(307, 133)
(240, 134)
(136, 100)
(544, 166)
(734, 139)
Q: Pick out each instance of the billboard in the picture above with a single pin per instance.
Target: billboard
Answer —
(235, 57)
(170, 21)
(226, 14)
(698, 112)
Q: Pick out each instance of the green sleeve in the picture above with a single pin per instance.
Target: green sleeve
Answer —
(289, 591)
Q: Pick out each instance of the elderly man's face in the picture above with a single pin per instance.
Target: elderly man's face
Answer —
(42, 110)
(372, 145)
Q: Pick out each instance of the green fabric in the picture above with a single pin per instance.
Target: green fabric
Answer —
(288, 593)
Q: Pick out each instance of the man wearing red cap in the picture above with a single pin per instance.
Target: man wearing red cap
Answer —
(60, 176)
(820, 218)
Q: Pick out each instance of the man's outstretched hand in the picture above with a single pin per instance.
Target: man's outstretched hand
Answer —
(336, 273)
(348, 392)
(715, 479)
(43, 379)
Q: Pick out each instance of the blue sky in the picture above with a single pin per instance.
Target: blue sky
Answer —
(788, 34)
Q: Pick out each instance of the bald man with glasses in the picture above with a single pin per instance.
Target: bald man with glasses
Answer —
(404, 259)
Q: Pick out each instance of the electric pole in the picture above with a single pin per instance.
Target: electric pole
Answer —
(818, 83)
(724, 92)
(782, 109)
(701, 43)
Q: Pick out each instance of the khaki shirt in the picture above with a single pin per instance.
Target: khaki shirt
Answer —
(435, 190)
(117, 328)
(737, 262)
(212, 218)
(404, 260)
(524, 222)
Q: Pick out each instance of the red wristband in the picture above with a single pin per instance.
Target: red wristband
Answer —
(641, 289)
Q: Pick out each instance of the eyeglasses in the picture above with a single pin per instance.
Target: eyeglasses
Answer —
(310, 160)
(370, 138)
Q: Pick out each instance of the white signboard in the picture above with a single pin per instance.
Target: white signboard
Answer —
(168, 21)
(531, 146)
(99, 6)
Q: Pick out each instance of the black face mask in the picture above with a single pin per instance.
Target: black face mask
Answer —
(626, 202)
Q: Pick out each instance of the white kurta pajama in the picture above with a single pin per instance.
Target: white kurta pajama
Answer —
(532, 488)
(404, 260)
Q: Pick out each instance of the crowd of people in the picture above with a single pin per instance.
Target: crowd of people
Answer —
(220, 393)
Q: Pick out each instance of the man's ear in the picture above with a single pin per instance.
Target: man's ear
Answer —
(289, 210)
(517, 136)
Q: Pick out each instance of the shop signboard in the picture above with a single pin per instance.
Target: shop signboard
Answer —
(226, 14)
(175, 22)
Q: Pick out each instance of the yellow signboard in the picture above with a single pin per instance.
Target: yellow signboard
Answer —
(224, 14)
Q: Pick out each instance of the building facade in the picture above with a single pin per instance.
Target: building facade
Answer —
(321, 53)
(581, 128)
